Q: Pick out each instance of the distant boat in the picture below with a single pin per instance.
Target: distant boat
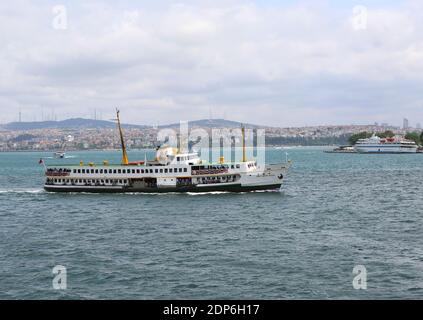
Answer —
(342, 149)
(374, 144)
(59, 154)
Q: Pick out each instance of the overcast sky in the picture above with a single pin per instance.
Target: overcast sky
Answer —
(280, 63)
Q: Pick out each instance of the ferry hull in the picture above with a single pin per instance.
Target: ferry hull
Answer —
(386, 151)
(196, 189)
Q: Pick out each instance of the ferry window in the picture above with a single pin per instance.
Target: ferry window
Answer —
(123, 171)
(165, 170)
(83, 170)
(161, 170)
(157, 170)
(151, 170)
(232, 166)
(114, 171)
(74, 170)
(79, 170)
(237, 166)
(119, 171)
(138, 170)
(178, 158)
(185, 169)
(170, 170)
(101, 170)
(133, 171)
(142, 170)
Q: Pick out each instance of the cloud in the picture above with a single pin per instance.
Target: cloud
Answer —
(273, 64)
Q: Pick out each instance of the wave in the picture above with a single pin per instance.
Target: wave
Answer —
(206, 193)
(22, 190)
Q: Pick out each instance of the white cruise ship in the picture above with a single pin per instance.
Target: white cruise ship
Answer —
(375, 144)
(171, 171)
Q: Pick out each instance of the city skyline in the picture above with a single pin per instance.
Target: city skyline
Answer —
(276, 63)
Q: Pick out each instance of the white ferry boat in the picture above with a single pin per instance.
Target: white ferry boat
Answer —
(171, 171)
(375, 144)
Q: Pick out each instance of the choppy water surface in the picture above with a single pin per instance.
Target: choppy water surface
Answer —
(335, 211)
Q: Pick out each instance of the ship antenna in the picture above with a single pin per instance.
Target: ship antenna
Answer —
(124, 155)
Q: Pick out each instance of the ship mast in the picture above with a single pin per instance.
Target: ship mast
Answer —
(124, 155)
(244, 159)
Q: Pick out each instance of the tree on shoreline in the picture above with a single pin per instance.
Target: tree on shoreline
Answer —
(414, 136)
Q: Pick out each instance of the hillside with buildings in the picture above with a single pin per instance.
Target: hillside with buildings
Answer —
(84, 134)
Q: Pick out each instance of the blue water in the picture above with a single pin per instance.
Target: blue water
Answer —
(335, 211)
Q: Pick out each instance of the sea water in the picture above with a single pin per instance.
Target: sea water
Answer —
(334, 212)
